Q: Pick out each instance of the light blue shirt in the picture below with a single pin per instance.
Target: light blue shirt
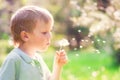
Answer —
(19, 66)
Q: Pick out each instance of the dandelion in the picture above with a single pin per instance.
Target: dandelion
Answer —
(63, 43)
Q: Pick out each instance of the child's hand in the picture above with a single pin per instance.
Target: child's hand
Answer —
(61, 58)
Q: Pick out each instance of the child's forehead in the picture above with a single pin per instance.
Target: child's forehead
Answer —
(42, 25)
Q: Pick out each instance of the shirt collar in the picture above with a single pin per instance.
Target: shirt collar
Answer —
(23, 55)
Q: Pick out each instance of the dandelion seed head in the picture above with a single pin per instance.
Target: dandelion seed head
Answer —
(63, 42)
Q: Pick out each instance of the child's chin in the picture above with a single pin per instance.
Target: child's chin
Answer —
(43, 50)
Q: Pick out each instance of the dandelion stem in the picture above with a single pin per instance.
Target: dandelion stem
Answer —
(60, 48)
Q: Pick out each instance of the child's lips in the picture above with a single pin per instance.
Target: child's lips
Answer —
(48, 43)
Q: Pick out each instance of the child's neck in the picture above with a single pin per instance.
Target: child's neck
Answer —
(27, 50)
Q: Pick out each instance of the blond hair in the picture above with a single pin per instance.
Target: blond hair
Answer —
(25, 18)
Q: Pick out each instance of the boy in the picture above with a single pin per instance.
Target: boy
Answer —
(31, 30)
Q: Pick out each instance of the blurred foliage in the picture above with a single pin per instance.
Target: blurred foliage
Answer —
(4, 36)
(5, 48)
(102, 18)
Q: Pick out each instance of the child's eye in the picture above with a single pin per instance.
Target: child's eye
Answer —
(44, 32)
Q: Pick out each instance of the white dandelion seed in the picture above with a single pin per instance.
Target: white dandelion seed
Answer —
(77, 55)
(81, 46)
(97, 51)
(73, 38)
(98, 40)
(79, 31)
(82, 40)
(75, 48)
(94, 74)
(86, 40)
(104, 41)
(63, 43)
(92, 42)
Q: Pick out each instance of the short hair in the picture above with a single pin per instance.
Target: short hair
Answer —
(25, 18)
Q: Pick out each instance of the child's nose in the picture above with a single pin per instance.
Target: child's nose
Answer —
(49, 35)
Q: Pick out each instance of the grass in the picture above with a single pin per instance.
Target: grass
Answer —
(84, 65)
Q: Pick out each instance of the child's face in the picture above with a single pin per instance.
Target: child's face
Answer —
(41, 36)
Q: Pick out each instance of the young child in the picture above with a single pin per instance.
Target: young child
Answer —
(31, 30)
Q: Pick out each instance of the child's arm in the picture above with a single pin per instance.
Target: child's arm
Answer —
(59, 61)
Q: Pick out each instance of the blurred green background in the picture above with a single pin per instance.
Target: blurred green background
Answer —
(92, 28)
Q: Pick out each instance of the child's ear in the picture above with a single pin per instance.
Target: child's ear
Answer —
(24, 36)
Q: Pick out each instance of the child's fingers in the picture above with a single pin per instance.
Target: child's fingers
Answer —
(61, 57)
(61, 52)
(63, 61)
(57, 52)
